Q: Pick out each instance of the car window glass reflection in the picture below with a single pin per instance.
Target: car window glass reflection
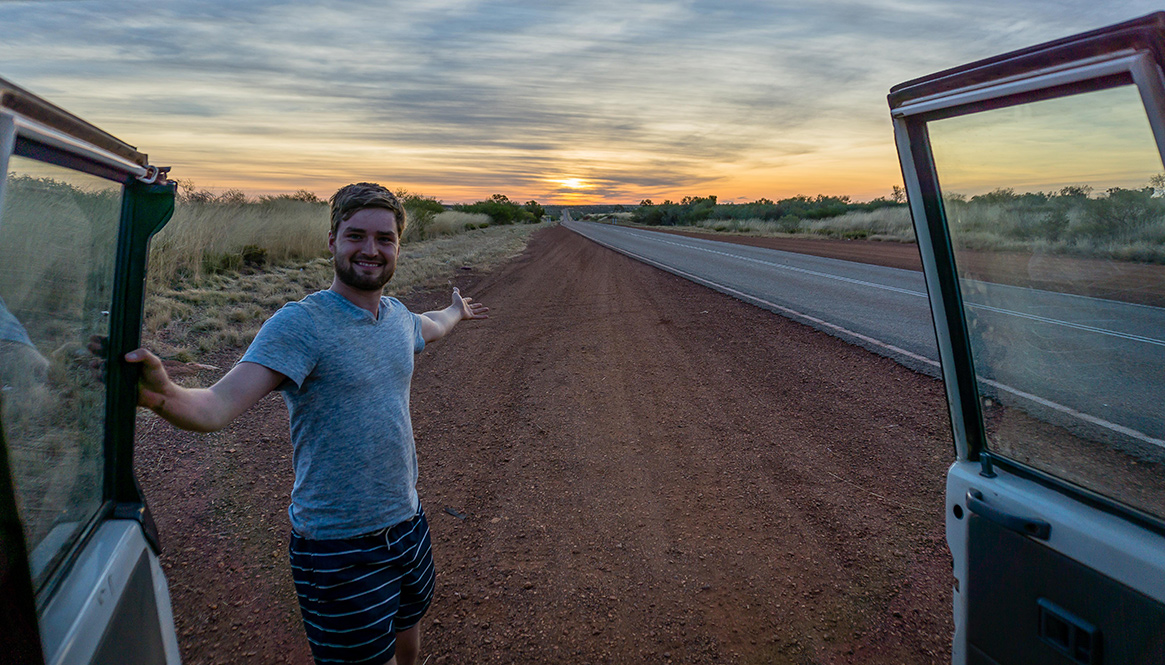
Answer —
(58, 234)
(1057, 218)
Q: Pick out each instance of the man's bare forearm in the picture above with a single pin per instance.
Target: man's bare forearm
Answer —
(201, 409)
(443, 322)
(194, 409)
(438, 323)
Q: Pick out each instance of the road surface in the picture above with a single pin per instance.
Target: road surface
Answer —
(1090, 364)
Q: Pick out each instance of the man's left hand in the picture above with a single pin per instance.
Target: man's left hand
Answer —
(469, 308)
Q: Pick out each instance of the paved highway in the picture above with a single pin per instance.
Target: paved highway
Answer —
(883, 309)
(1080, 362)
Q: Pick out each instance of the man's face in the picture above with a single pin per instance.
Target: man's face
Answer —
(365, 248)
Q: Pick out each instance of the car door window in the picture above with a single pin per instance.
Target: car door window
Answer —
(1057, 223)
(58, 235)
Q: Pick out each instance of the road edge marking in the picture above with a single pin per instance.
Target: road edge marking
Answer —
(894, 353)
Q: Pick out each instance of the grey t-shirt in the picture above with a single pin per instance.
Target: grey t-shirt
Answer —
(10, 328)
(347, 391)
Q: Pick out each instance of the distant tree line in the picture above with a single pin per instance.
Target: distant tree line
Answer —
(691, 210)
(1074, 214)
(420, 208)
(499, 207)
(188, 193)
(578, 211)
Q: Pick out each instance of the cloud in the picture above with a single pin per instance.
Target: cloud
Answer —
(476, 96)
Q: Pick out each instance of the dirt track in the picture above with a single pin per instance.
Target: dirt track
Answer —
(643, 470)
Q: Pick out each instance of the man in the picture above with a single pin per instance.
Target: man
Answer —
(343, 359)
(21, 365)
(23, 378)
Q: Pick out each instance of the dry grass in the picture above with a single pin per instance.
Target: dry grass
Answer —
(624, 218)
(756, 227)
(452, 222)
(198, 316)
(892, 224)
(207, 238)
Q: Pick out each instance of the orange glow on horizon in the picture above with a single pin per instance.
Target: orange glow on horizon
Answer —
(862, 173)
(861, 167)
(751, 187)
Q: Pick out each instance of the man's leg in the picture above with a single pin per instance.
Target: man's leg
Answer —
(408, 646)
(327, 574)
(416, 590)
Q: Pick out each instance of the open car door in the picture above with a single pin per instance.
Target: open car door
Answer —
(1035, 183)
(79, 573)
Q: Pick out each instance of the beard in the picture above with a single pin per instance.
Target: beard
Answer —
(347, 274)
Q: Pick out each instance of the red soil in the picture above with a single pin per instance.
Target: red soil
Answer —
(648, 470)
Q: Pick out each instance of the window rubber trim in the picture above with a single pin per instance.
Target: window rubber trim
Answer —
(1103, 82)
(946, 271)
(1091, 498)
(146, 208)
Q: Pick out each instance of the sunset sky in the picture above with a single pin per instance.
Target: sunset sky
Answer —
(597, 101)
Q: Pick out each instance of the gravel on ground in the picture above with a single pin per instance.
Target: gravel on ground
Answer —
(619, 466)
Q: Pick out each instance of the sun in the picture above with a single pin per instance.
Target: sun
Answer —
(572, 183)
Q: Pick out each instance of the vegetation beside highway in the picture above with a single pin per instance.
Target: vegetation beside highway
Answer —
(226, 262)
(1119, 224)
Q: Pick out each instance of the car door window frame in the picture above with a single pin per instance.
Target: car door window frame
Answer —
(1124, 66)
(146, 206)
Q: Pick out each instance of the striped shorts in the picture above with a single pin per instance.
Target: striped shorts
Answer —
(356, 594)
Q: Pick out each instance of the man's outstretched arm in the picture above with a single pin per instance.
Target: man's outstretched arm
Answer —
(201, 409)
(437, 324)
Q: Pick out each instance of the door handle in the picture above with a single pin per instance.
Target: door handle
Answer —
(1027, 526)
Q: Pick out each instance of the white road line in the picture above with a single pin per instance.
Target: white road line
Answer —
(1067, 410)
(1106, 424)
(770, 305)
(998, 310)
(1069, 324)
(782, 266)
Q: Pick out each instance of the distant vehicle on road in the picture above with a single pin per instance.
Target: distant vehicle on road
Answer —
(79, 573)
(1050, 156)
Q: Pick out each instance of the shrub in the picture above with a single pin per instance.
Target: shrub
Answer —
(536, 211)
(420, 210)
(501, 210)
(694, 210)
(299, 195)
(1070, 220)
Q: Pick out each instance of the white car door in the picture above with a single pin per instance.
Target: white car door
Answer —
(79, 571)
(1035, 180)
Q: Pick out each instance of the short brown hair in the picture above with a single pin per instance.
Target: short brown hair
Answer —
(350, 198)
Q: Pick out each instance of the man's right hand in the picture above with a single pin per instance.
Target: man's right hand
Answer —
(154, 384)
